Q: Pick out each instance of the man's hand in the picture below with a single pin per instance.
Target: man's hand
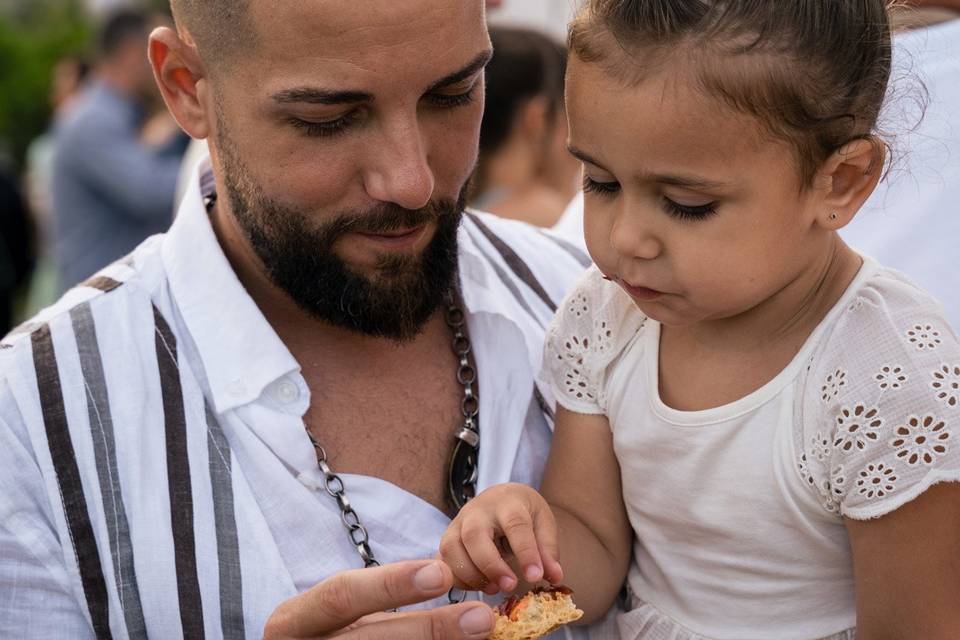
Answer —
(350, 606)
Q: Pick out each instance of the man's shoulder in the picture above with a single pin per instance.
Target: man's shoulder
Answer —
(516, 231)
(522, 253)
(115, 291)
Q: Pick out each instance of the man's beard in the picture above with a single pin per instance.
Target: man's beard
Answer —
(394, 303)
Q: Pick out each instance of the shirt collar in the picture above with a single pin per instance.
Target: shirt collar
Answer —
(484, 291)
(240, 351)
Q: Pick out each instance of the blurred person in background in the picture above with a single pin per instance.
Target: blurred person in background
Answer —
(115, 168)
(16, 246)
(525, 172)
(66, 85)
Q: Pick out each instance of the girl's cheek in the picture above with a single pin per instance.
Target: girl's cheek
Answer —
(596, 236)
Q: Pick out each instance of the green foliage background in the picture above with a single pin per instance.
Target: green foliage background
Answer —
(33, 36)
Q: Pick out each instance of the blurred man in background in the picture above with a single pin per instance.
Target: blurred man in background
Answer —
(113, 177)
(67, 80)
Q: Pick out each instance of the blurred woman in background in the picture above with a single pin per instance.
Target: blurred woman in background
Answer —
(525, 171)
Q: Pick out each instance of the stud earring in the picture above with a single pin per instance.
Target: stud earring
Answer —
(834, 216)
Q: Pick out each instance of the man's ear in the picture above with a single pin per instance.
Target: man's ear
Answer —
(180, 75)
(849, 177)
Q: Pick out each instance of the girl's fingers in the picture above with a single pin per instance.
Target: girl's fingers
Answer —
(545, 526)
(517, 525)
(478, 538)
(466, 575)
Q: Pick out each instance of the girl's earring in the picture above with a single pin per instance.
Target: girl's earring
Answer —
(834, 216)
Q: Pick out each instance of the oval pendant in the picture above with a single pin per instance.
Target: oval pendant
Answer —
(462, 482)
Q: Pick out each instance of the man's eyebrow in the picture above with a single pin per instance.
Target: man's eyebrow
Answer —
(475, 65)
(314, 95)
(676, 180)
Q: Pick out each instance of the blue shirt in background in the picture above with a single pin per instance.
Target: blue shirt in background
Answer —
(110, 191)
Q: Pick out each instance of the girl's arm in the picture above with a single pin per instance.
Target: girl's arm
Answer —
(582, 486)
(907, 569)
(585, 524)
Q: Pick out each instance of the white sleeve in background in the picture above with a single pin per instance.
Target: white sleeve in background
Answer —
(912, 221)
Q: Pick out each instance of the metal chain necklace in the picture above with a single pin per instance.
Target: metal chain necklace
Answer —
(462, 476)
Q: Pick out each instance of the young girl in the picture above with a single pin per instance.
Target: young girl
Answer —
(758, 428)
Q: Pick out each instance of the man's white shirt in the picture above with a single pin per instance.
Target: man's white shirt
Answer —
(156, 478)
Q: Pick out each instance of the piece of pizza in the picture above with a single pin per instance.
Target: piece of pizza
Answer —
(535, 614)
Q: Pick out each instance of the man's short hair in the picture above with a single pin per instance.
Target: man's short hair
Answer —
(121, 27)
(218, 27)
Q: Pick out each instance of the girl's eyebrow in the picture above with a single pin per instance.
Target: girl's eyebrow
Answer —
(677, 180)
(582, 156)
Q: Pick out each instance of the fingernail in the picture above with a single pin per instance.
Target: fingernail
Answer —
(507, 584)
(429, 578)
(533, 573)
(558, 571)
(476, 621)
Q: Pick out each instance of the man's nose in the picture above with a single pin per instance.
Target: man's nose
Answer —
(400, 170)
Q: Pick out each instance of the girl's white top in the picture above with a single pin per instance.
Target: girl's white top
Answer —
(738, 510)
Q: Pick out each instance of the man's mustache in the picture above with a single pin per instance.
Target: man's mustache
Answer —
(386, 218)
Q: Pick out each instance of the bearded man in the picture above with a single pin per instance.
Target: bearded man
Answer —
(309, 373)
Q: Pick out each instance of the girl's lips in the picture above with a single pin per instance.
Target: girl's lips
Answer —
(641, 293)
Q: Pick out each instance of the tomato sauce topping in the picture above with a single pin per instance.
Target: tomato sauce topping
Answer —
(512, 605)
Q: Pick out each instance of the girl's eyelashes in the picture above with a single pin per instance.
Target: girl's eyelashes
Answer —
(600, 188)
(674, 209)
(686, 212)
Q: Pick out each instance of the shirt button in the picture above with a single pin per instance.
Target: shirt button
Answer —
(287, 392)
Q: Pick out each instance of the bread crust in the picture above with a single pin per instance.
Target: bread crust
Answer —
(535, 614)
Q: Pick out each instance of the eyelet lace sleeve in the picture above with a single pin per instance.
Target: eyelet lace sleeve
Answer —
(589, 330)
(882, 404)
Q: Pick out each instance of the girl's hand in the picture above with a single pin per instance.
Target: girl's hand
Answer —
(508, 521)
